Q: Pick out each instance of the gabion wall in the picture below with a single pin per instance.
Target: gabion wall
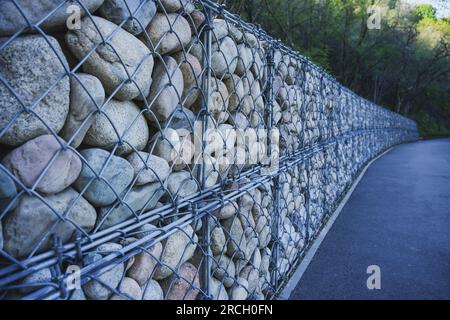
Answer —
(102, 195)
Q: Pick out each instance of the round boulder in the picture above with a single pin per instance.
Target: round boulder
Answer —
(86, 95)
(29, 161)
(122, 57)
(117, 172)
(30, 221)
(166, 89)
(168, 33)
(119, 121)
(31, 67)
(184, 285)
(136, 13)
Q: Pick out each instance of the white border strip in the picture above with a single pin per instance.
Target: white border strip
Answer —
(298, 274)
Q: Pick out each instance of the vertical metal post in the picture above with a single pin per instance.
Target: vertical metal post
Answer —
(204, 116)
(269, 117)
(307, 199)
(275, 234)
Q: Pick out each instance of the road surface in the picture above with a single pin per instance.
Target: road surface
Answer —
(398, 218)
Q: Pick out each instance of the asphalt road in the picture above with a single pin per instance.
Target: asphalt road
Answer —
(398, 218)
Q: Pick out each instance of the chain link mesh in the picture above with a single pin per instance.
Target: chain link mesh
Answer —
(166, 150)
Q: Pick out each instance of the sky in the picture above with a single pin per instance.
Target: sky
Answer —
(442, 6)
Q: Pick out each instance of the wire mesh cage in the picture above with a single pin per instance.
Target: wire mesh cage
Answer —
(166, 149)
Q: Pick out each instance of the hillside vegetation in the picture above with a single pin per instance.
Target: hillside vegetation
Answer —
(404, 65)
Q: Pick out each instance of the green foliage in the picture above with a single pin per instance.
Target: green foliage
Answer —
(430, 127)
(426, 11)
(405, 65)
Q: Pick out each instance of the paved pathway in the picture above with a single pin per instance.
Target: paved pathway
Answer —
(397, 218)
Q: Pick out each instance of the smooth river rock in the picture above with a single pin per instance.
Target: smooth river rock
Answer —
(184, 286)
(29, 161)
(129, 57)
(191, 70)
(148, 168)
(119, 121)
(162, 38)
(181, 184)
(7, 191)
(86, 95)
(30, 67)
(140, 199)
(145, 263)
(128, 289)
(118, 172)
(137, 13)
(170, 6)
(29, 222)
(152, 291)
(236, 241)
(11, 19)
(166, 89)
(224, 58)
(100, 290)
(178, 248)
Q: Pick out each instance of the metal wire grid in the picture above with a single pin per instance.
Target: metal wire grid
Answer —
(207, 230)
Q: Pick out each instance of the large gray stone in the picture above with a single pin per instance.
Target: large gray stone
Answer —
(29, 222)
(168, 33)
(170, 6)
(239, 291)
(11, 19)
(118, 172)
(218, 102)
(218, 241)
(36, 280)
(166, 89)
(235, 87)
(86, 94)
(166, 144)
(182, 118)
(148, 168)
(217, 289)
(236, 241)
(128, 289)
(245, 59)
(181, 184)
(7, 191)
(184, 285)
(224, 58)
(145, 263)
(119, 121)
(223, 268)
(152, 291)
(250, 274)
(178, 248)
(227, 211)
(191, 69)
(196, 19)
(31, 67)
(137, 13)
(112, 66)
(100, 290)
(29, 161)
(220, 29)
(139, 200)
(175, 146)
